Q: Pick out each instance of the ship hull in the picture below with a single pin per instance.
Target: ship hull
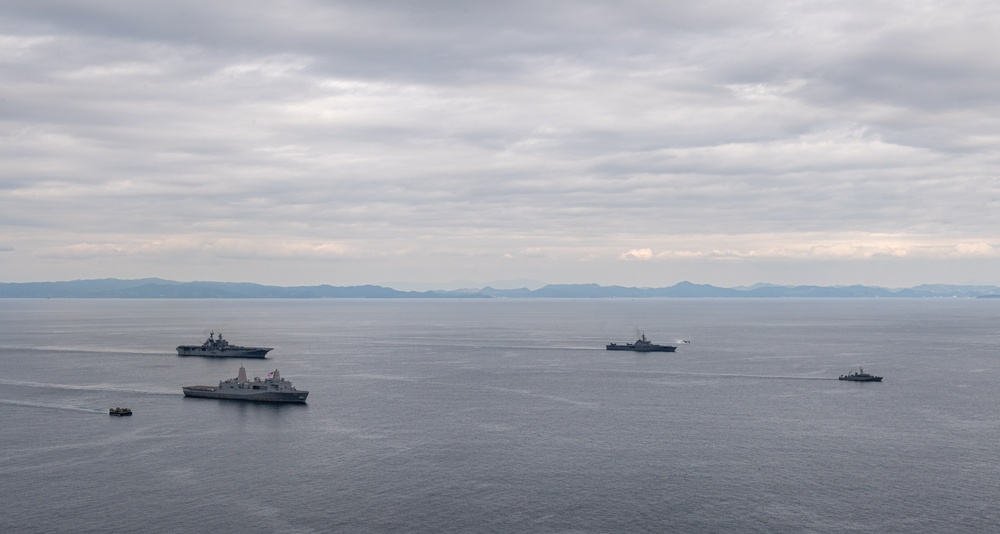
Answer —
(212, 392)
(662, 348)
(861, 379)
(194, 350)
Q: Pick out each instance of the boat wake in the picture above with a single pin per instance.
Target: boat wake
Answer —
(96, 387)
(53, 406)
(764, 377)
(542, 396)
(90, 350)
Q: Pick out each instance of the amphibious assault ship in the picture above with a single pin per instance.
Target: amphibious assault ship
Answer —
(642, 345)
(216, 347)
(271, 389)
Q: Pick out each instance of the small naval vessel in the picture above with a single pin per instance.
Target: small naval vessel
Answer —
(271, 389)
(216, 347)
(860, 376)
(642, 345)
(119, 412)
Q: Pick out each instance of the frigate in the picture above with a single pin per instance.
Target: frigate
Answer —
(642, 345)
(860, 376)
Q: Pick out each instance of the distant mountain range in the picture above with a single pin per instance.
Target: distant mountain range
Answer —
(156, 288)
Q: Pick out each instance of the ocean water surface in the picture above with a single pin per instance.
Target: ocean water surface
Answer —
(504, 416)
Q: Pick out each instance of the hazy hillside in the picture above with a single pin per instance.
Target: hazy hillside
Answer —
(157, 288)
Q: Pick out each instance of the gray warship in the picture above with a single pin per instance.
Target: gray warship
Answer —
(642, 345)
(216, 347)
(271, 389)
(860, 376)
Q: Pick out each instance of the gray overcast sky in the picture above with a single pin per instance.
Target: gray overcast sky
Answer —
(636, 143)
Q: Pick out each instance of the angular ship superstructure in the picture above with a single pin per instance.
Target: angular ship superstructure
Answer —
(216, 347)
(271, 389)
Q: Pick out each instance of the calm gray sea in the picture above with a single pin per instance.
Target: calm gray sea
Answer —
(504, 416)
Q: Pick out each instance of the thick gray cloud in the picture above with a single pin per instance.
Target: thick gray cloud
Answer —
(634, 143)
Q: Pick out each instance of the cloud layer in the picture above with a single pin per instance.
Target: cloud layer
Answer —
(634, 143)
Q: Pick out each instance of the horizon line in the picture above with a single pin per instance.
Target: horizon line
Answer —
(741, 287)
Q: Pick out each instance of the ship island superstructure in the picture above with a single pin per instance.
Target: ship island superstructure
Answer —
(217, 347)
(271, 389)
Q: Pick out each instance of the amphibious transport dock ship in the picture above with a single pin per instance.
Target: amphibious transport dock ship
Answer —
(216, 347)
(271, 389)
(642, 345)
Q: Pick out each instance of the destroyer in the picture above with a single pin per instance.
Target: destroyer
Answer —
(860, 376)
(642, 345)
(271, 389)
(216, 347)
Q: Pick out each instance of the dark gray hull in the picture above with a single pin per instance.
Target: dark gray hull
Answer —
(654, 348)
(862, 378)
(212, 392)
